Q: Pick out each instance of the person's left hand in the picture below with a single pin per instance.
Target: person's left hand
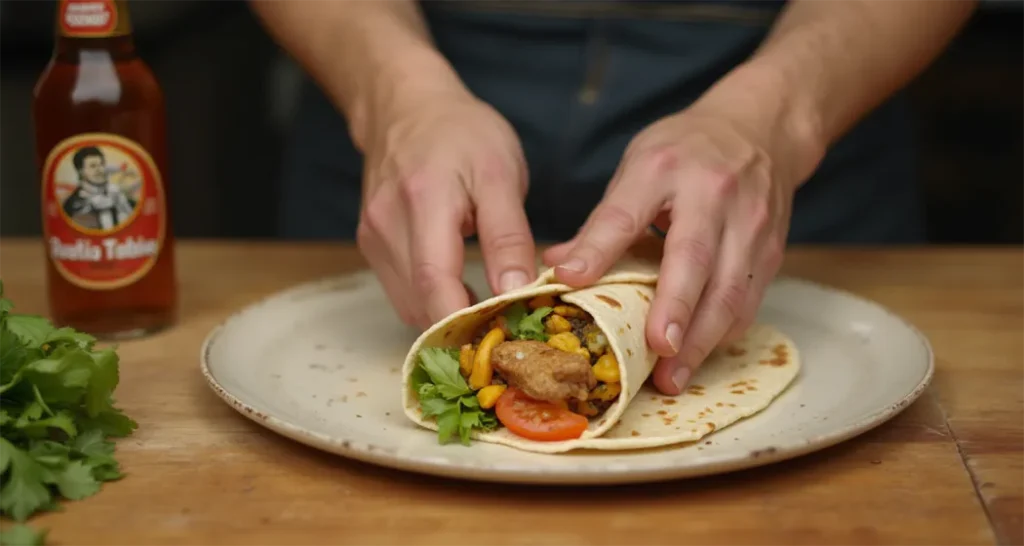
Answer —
(723, 183)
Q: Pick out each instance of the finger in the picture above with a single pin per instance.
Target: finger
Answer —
(436, 212)
(373, 248)
(768, 263)
(558, 253)
(611, 228)
(670, 377)
(723, 301)
(506, 242)
(688, 259)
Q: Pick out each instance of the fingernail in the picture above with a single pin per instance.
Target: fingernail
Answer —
(674, 336)
(576, 265)
(510, 280)
(681, 377)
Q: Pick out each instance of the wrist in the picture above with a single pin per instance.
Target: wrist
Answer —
(399, 84)
(778, 111)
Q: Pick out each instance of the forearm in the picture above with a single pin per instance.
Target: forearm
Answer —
(362, 53)
(826, 64)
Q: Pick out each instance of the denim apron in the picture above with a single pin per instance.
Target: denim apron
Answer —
(577, 80)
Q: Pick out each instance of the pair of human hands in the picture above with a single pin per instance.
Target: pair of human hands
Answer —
(439, 172)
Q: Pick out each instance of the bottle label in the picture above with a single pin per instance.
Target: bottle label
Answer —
(91, 19)
(104, 210)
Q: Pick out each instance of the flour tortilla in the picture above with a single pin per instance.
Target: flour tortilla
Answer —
(733, 383)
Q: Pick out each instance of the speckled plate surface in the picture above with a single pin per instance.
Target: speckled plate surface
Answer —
(319, 363)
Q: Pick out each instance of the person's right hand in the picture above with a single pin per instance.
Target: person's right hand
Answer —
(437, 171)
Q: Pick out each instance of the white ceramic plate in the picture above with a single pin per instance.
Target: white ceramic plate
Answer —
(319, 363)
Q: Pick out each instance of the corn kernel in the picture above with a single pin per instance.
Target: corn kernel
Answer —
(488, 396)
(466, 355)
(483, 370)
(565, 341)
(607, 369)
(556, 324)
(541, 301)
(605, 392)
(582, 351)
(568, 311)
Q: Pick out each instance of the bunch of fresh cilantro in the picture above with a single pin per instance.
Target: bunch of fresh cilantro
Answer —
(443, 392)
(56, 413)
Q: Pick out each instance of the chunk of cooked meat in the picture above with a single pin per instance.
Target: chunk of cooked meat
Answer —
(543, 372)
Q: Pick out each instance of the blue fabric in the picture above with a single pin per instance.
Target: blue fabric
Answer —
(534, 69)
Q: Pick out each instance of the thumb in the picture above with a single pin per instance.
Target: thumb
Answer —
(505, 239)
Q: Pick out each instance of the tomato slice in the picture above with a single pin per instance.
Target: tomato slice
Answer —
(536, 419)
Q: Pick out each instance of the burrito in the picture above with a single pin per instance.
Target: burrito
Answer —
(551, 368)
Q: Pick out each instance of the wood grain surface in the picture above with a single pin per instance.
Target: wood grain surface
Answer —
(948, 470)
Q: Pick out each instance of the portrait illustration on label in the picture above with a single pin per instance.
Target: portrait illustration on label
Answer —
(103, 210)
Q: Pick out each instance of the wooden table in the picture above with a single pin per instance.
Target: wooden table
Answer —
(946, 471)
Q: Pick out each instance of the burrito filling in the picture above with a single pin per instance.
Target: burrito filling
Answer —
(542, 370)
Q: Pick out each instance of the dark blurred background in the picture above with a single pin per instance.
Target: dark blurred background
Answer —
(231, 91)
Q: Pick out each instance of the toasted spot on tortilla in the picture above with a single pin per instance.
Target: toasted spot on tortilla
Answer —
(353, 379)
(668, 401)
(738, 384)
(387, 414)
(711, 426)
(690, 421)
(751, 388)
(610, 301)
(448, 334)
(731, 405)
(662, 412)
(735, 350)
(360, 394)
(708, 410)
(737, 392)
(654, 398)
(645, 414)
(629, 351)
(696, 390)
(622, 331)
(602, 421)
(394, 370)
(643, 296)
(743, 365)
(719, 405)
(629, 326)
(344, 398)
(634, 433)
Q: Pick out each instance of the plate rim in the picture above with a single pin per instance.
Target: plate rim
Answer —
(367, 453)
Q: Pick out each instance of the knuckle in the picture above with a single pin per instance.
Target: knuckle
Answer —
(617, 218)
(660, 160)
(731, 296)
(694, 252)
(426, 277)
(760, 216)
(375, 217)
(506, 241)
(415, 186)
(680, 308)
(491, 170)
(724, 183)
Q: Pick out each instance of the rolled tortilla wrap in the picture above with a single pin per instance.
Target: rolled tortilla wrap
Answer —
(732, 384)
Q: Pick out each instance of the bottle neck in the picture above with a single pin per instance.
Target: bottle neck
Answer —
(93, 25)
